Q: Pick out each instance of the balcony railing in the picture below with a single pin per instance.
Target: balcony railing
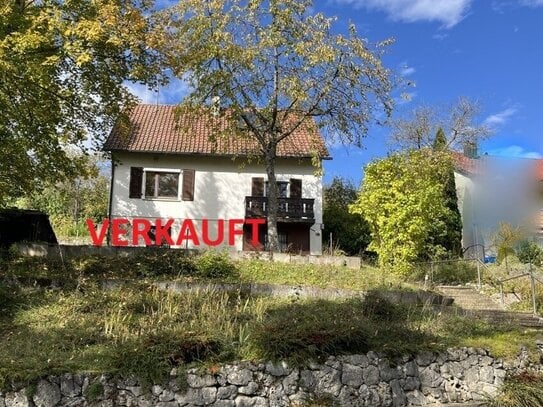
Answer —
(288, 208)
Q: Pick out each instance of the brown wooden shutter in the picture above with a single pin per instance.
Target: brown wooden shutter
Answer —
(257, 188)
(295, 188)
(188, 185)
(136, 179)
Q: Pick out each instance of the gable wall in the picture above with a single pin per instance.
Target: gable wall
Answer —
(221, 186)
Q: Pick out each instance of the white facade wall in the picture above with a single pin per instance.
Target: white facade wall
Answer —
(220, 188)
(471, 236)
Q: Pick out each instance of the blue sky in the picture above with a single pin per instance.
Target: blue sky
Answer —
(490, 51)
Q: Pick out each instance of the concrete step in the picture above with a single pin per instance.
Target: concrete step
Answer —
(474, 304)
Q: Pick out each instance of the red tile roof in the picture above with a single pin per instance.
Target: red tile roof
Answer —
(154, 128)
(468, 166)
(539, 169)
(471, 166)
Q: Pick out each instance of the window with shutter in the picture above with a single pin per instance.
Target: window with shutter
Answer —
(295, 188)
(257, 188)
(188, 185)
(136, 179)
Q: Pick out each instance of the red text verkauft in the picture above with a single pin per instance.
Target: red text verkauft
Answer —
(160, 231)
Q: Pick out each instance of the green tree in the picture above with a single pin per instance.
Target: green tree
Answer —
(530, 252)
(402, 200)
(71, 201)
(350, 232)
(275, 67)
(505, 240)
(451, 240)
(63, 64)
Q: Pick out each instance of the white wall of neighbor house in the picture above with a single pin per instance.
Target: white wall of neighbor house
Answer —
(465, 189)
(484, 202)
(220, 187)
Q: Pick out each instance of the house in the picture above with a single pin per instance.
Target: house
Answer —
(171, 168)
(496, 189)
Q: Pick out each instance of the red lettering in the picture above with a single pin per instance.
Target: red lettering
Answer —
(97, 240)
(117, 232)
(220, 232)
(188, 233)
(137, 232)
(232, 231)
(163, 232)
(255, 223)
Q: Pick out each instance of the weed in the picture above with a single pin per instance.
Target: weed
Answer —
(522, 390)
(212, 264)
(94, 391)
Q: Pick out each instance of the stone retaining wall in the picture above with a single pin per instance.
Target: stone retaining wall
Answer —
(67, 250)
(458, 375)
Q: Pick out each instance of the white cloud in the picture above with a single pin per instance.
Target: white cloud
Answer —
(500, 118)
(440, 36)
(515, 151)
(170, 94)
(531, 3)
(447, 12)
(406, 70)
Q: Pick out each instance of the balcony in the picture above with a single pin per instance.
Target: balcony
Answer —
(290, 209)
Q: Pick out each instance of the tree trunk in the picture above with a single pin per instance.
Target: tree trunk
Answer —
(273, 205)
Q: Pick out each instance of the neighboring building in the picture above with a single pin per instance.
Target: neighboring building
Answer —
(495, 189)
(167, 168)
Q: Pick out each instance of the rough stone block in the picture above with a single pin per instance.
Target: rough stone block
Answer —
(47, 394)
(352, 375)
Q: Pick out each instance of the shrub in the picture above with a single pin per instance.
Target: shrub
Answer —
(453, 272)
(211, 264)
(94, 391)
(529, 252)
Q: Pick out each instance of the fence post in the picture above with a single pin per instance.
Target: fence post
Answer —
(532, 281)
(478, 274)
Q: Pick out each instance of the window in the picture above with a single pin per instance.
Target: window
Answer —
(161, 184)
(282, 187)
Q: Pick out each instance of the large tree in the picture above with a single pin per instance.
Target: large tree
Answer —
(277, 67)
(458, 122)
(62, 67)
(451, 240)
(73, 200)
(346, 231)
(402, 200)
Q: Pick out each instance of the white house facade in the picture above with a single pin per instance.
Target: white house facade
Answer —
(491, 190)
(161, 174)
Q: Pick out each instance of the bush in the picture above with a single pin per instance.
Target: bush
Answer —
(453, 272)
(212, 264)
(529, 252)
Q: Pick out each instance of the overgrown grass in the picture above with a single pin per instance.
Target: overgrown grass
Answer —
(144, 332)
(522, 390)
(55, 318)
(153, 264)
(324, 276)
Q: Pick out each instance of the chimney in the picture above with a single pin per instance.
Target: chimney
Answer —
(471, 150)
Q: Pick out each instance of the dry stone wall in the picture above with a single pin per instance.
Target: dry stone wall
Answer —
(457, 375)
